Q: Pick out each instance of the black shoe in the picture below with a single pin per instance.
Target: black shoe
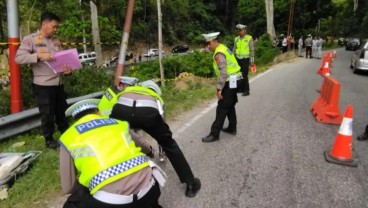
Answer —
(52, 144)
(363, 137)
(210, 138)
(193, 188)
(246, 93)
(229, 131)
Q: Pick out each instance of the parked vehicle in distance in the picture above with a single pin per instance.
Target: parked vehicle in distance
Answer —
(359, 61)
(87, 58)
(181, 49)
(152, 52)
(352, 44)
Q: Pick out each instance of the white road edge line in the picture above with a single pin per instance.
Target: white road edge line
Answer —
(210, 107)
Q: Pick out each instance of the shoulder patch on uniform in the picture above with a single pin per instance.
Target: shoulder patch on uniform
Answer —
(27, 41)
(217, 59)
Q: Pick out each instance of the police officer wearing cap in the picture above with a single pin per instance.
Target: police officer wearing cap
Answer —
(143, 107)
(101, 166)
(36, 49)
(229, 75)
(244, 53)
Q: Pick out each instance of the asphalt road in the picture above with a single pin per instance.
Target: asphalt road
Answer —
(276, 159)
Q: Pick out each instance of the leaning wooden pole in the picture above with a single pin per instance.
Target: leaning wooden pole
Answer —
(124, 42)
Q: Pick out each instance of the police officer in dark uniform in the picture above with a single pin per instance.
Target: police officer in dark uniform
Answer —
(142, 107)
(36, 49)
(229, 75)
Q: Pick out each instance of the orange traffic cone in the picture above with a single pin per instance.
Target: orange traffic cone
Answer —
(334, 53)
(326, 69)
(341, 151)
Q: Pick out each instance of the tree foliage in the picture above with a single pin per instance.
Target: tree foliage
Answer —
(186, 20)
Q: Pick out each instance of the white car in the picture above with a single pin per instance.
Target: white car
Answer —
(152, 52)
(87, 58)
(359, 60)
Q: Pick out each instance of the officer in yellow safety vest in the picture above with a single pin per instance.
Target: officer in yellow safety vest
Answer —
(244, 52)
(98, 154)
(142, 107)
(108, 100)
(229, 76)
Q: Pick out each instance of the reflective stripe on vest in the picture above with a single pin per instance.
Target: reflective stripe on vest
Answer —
(102, 145)
(242, 47)
(109, 98)
(115, 170)
(142, 91)
(232, 66)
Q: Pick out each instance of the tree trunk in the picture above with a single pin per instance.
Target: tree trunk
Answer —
(96, 33)
(270, 24)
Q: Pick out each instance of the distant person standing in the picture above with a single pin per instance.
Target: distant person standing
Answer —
(308, 46)
(314, 47)
(36, 49)
(319, 47)
(244, 53)
(300, 46)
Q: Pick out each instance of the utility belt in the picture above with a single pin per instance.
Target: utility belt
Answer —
(137, 103)
(159, 176)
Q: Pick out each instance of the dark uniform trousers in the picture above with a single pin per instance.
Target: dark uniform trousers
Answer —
(81, 198)
(52, 104)
(150, 120)
(244, 67)
(225, 107)
(308, 52)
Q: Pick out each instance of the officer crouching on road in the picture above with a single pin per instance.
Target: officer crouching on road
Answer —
(108, 100)
(229, 76)
(111, 170)
(142, 107)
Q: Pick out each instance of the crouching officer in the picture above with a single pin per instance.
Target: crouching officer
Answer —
(110, 97)
(142, 107)
(229, 76)
(110, 168)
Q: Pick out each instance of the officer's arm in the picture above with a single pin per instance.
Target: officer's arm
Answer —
(139, 141)
(25, 53)
(68, 174)
(221, 64)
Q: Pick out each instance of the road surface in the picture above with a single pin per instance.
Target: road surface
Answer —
(276, 159)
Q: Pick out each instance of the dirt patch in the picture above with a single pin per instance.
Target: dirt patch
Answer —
(185, 79)
(287, 57)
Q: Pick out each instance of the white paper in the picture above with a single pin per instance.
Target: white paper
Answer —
(232, 81)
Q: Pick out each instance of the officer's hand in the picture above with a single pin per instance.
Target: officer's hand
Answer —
(219, 95)
(45, 56)
(67, 70)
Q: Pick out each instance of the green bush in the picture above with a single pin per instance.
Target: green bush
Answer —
(264, 51)
(197, 63)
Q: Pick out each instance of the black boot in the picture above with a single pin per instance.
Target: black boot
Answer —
(229, 131)
(363, 137)
(193, 188)
(210, 138)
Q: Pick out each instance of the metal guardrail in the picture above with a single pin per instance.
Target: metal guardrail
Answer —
(17, 123)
